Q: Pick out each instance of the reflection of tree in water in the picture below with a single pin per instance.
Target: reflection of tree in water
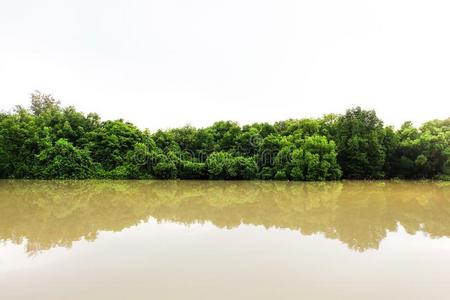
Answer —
(57, 213)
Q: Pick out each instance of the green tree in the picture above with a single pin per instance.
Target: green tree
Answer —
(64, 161)
(359, 138)
(422, 153)
(110, 143)
(50, 141)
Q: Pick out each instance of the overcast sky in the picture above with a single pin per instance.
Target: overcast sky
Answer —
(167, 63)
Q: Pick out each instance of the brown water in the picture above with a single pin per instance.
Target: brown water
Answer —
(224, 240)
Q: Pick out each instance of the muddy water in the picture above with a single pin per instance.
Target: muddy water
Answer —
(224, 240)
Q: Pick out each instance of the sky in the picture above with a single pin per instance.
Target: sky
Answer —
(167, 63)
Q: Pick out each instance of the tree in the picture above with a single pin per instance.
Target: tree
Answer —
(64, 161)
(321, 159)
(422, 153)
(192, 170)
(359, 138)
(246, 166)
(110, 142)
(165, 169)
(138, 162)
(50, 141)
(41, 103)
(221, 166)
(313, 158)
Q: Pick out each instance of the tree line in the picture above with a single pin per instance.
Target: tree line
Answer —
(48, 141)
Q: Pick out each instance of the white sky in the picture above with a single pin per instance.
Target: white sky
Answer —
(166, 63)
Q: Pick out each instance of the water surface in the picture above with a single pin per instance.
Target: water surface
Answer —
(224, 240)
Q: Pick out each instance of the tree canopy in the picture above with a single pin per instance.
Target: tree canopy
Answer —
(48, 141)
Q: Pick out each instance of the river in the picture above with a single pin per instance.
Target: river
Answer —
(224, 240)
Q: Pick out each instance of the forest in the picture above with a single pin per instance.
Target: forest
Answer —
(48, 141)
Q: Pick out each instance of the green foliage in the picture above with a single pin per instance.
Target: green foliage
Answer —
(312, 159)
(110, 142)
(165, 170)
(49, 141)
(280, 175)
(359, 137)
(43, 103)
(192, 170)
(246, 167)
(423, 152)
(221, 165)
(64, 161)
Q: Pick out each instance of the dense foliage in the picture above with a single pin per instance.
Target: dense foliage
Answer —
(51, 142)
